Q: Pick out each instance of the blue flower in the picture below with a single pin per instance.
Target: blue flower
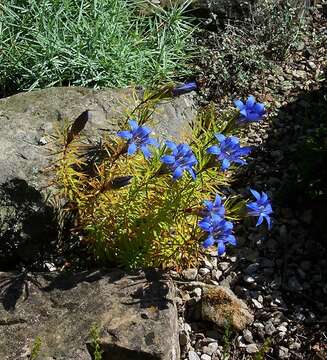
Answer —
(229, 151)
(261, 207)
(214, 207)
(185, 88)
(138, 138)
(181, 159)
(220, 232)
(251, 110)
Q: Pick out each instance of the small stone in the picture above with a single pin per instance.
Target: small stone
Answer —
(269, 328)
(184, 339)
(252, 348)
(312, 65)
(187, 327)
(210, 349)
(204, 271)
(252, 268)
(205, 357)
(283, 352)
(223, 266)
(247, 335)
(282, 328)
(249, 279)
(208, 264)
(42, 141)
(295, 346)
(190, 274)
(216, 274)
(197, 292)
(192, 355)
(257, 304)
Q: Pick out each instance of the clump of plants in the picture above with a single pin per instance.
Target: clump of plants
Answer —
(103, 43)
(144, 201)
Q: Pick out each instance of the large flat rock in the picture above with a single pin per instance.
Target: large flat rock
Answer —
(135, 315)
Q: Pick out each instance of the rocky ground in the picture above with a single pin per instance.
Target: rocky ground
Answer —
(280, 275)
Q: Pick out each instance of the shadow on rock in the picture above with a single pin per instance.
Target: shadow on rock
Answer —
(27, 226)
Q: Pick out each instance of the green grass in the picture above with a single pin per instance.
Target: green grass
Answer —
(96, 43)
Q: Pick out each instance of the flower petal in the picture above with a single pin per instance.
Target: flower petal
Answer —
(221, 247)
(250, 101)
(178, 172)
(125, 134)
(209, 241)
(215, 150)
(146, 152)
(259, 108)
(225, 165)
(255, 194)
(131, 148)
(260, 220)
(168, 159)
(133, 124)
(191, 172)
(220, 137)
(239, 104)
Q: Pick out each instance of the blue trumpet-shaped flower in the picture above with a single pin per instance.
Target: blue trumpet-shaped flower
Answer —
(251, 110)
(220, 232)
(185, 88)
(261, 207)
(229, 151)
(179, 160)
(214, 207)
(138, 138)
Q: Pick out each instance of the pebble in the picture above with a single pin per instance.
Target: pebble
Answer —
(223, 266)
(257, 304)
(190, 274)
(252, 348)
(216, 274)
(205, 357)
(247, 335)
(210, 348)
(192, 355)
(295, 346)
(208, 264)
(282, 328)
(249, 279)
(283, 352)
(204, 271)
(252, 268)
(183, 339)
(269, 328)
(197, 292)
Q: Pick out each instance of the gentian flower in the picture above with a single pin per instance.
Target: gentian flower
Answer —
(261, 207)
(251, 110)
(185, 88)
(138, 138)
(229, 151)
(181, 159)
(214, 207)
(220, 232)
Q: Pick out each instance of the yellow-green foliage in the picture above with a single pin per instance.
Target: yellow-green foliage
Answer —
(152, 220)
(36, 348)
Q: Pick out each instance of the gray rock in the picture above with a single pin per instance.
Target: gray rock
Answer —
(184, 338)
(204, 271)
(257, 304)
(210, 349)
(192, 355)
(26, 218)
(135, 315)
(252, 348)
(205, 357)
(247, 335)
(216, 274)
(221, 306)
(283, 352)
(223, 266)
(190, 274)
